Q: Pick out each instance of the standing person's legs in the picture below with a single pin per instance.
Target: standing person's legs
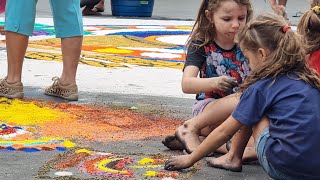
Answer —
(69, 27)
(19, 23)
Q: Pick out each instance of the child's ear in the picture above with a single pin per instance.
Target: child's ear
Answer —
(209, 16)
(262, 53)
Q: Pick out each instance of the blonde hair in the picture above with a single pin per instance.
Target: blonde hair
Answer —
(309, 27)
(202, 30)
(286, 52)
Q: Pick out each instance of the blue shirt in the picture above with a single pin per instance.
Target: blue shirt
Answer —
(293, 108)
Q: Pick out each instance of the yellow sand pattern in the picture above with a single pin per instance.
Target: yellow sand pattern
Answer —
(106, 51)
(109, 41)
(27, 113)
(108, 61)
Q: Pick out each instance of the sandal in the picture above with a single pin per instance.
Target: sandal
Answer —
(68, 92)
(8, 90)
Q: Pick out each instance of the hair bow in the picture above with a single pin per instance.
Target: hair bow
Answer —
(316, 9)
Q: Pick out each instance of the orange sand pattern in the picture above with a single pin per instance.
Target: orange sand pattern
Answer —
(81, 122)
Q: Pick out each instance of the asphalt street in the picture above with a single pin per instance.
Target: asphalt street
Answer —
(19, 166)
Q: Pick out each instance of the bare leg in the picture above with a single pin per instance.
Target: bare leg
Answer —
(16, 48)
(215, 113)
(71, 49)
(90, 7)
(250, 152)
(232, 160)
(99, 7)
(89, 3)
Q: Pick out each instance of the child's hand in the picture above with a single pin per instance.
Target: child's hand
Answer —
(178, 163)
(279, 9)
(224, 83)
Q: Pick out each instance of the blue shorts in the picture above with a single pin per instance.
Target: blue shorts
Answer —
(67, 17)
(261, 153)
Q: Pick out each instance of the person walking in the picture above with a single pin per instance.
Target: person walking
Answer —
(19, 25)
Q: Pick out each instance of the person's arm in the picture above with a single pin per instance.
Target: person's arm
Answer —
(273, 2)
(191, 84)
(283, 3)
(279, 8)
(216, 138)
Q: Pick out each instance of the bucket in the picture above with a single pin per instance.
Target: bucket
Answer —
(140, 8)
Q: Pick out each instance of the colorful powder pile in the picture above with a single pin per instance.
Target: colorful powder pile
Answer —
(104, 124)
(28, 113)
(116, 47)
(69, 121)
(107, 165)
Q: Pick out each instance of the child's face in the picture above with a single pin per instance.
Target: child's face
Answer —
(228, 19)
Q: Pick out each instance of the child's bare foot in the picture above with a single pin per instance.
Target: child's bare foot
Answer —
(226, 162)
(188, 136)
(249, 153)
(172, 143)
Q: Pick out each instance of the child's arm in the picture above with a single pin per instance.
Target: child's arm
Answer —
(215, 139)
(191, 84)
